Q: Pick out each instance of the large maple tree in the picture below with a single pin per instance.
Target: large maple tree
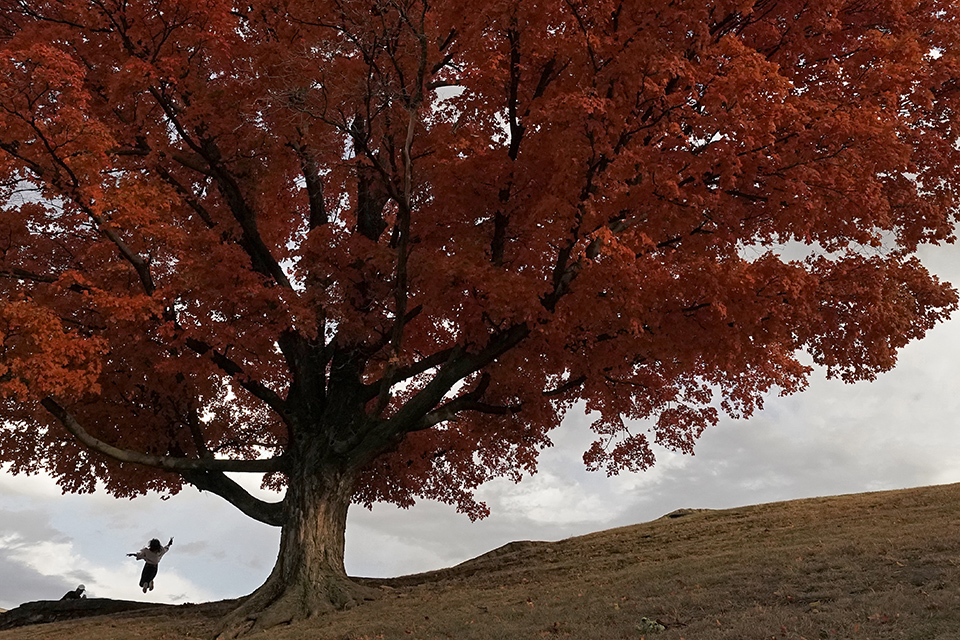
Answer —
(374, 249)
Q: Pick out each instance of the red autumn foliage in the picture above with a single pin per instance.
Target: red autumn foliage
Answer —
(377, 248)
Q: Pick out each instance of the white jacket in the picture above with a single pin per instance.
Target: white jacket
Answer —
(152, 557)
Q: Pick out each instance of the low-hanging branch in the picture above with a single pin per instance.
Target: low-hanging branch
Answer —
(217, 482)
(168, 463)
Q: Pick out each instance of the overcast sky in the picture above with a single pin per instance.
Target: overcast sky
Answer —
(896, 432)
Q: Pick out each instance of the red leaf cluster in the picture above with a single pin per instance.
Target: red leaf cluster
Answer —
(410, 237)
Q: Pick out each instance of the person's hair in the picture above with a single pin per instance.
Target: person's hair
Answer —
(155, 545)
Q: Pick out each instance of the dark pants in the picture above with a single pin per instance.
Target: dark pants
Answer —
(149, 573)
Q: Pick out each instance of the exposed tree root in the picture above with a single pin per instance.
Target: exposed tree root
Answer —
(275, 604)
(308, 579)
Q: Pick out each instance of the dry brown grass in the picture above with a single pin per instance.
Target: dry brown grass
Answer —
(866, 567)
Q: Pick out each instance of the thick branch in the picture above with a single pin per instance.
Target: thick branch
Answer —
(272, 513)
(458, 405)
(564, 271)
(400, 288)
(516, 127)
(228, 366)
(376, 347)
(192, 162)
(373, 184)
(28, 276)
(313, 181)
(458, 366)
(188, 197)
(405, 373)
(251, 241)
(467, 402)
(311, 174)
(211, 165)
(471, 402)
(22, 274)
(196, 432)
(139, 264)
(167, 463)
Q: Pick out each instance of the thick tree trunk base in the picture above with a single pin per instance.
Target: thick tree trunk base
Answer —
(275, 604)
(308, 579)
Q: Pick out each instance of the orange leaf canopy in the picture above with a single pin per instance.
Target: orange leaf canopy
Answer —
(432, 230)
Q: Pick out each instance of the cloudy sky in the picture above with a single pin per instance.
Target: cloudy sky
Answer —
(896, 432)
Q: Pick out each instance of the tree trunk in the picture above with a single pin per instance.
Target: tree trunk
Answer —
(309, 578)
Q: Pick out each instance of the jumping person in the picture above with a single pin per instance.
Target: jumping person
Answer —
(151, 555)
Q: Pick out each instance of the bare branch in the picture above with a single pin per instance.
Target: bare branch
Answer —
(271, 513)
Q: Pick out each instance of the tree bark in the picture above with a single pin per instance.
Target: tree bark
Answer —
(309, 577)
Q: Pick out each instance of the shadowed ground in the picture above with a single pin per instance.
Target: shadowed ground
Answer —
(46, 611)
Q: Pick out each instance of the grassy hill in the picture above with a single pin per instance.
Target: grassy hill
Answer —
(869, 566)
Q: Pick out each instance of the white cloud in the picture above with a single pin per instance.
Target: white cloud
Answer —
(30, 545)
(549, 498)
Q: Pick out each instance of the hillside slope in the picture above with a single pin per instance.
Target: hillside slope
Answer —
(871, 566)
